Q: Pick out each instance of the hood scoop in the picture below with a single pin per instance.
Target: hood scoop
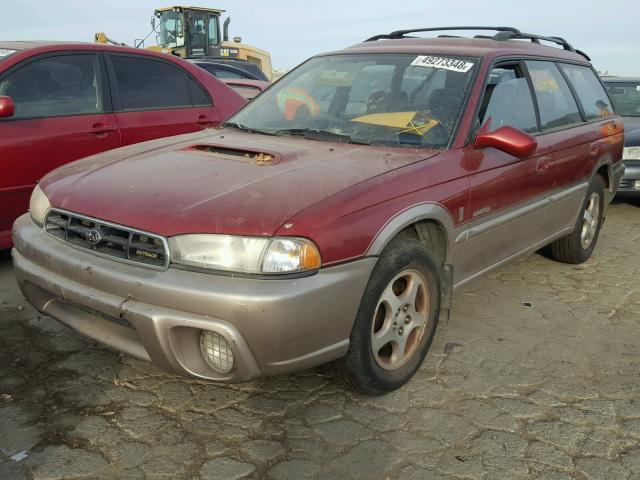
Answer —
(255, 157)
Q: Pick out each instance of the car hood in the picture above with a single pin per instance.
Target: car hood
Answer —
(222, 181)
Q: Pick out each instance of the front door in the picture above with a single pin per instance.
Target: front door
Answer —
(507, 194)
(61, 115)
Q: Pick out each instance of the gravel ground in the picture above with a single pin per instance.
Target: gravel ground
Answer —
(546, 391)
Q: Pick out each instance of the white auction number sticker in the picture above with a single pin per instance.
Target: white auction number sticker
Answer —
(453, 64)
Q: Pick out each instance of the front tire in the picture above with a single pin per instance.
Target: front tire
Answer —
(578, 246)
(396, 321)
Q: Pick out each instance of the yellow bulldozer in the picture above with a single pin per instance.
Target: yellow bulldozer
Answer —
(194, 32)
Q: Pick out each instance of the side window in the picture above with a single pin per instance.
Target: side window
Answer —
(507, 100)
(213, 30)
(55, 86)
(555, 100)
(589, 90)
(199, 97)
(145, 84)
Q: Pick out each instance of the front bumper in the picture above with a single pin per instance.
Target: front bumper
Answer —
(274, 326)
(626, 188)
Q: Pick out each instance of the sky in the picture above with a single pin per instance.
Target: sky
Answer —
(294, 30)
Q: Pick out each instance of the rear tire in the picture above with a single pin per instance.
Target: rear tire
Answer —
(396, 321)
(578, 246)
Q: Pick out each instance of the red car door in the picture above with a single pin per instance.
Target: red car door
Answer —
(507, 200)
(155, 98)
(577, 119)
(61, 115)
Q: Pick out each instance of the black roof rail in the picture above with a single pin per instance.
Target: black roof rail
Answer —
(503, 33)
(402, 33)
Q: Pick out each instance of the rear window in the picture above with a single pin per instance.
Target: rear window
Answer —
(592, 95)
(246, 91)
(224, 73)
(6, 53)
(557, 106)
(145, 84)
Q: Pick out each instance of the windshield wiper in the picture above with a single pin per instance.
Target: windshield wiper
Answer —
(244, 128)
(314, 134)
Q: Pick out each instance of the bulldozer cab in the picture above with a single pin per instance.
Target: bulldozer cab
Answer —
(194, 32)
(189, 31)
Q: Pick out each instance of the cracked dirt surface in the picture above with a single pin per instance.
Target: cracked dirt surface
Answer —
(548, 392)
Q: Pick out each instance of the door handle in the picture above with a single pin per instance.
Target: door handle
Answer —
(593, 149)
(543, 164)
(101, 128)
(204, 120)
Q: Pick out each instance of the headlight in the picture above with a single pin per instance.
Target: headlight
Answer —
(38, 206)
(245, 254)
(631, 153)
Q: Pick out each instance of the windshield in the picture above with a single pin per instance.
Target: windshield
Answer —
(625, 97)
(171, 30)
(398, 100)
(198, 29)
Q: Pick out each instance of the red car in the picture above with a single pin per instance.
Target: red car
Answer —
(61, 102)
(332, 217)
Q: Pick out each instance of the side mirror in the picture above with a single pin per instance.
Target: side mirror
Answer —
(508, 139)
(7, 108)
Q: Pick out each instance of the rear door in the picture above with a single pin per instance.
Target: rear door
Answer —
(507, 194)
(62, 113)
(155, 98)
(572, 126)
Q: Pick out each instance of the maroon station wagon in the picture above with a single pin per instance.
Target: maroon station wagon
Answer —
(61, 102)
(330, 219)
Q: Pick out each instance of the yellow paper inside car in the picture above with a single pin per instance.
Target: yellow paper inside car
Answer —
(417, 123)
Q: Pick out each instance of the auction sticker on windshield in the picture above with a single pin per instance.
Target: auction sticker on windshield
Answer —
(453, 64)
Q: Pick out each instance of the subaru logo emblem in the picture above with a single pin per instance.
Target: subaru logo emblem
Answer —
(93, 237)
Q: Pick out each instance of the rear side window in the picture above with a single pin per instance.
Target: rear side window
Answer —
(557, 106)
(199, 97)
(55, 86)
(145, 84)
(589, 90)
(507, 100)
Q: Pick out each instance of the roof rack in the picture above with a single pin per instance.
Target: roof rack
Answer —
(503, 33)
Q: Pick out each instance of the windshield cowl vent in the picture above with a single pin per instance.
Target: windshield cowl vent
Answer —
(255, 157)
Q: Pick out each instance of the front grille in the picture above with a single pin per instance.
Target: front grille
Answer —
(107, 239)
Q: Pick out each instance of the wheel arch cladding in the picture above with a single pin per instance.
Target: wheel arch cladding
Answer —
(430, 223)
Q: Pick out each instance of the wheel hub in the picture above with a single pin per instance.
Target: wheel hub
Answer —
(400, 319)
(590, 220)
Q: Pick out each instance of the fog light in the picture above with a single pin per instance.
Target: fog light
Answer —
(636, 185)
(216, 351)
